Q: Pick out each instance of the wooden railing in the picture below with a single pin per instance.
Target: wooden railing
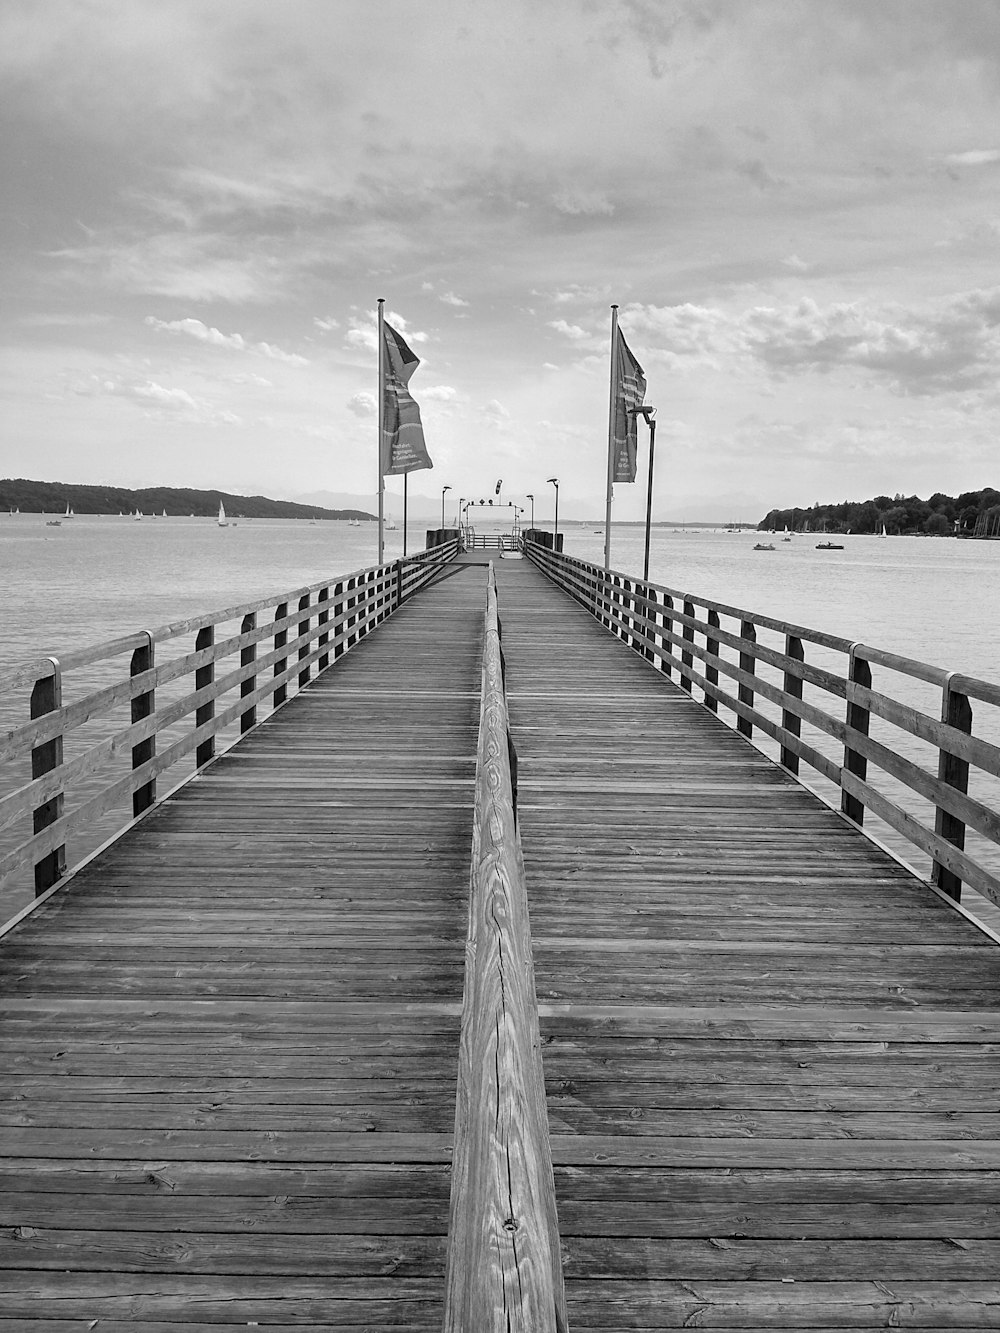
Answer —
(504, 1267)
(278, 644)
(770, 683)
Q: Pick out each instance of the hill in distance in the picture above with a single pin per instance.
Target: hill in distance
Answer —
(52, 497)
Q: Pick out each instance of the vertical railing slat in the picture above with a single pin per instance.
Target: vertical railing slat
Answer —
(203, 677)
(280, 641)
(46, 697)
(792, 685)
(248, 656)
(748, 663)
(956, 711)
(859, 673)
(142, 707)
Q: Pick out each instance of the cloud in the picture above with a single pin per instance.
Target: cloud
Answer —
(571, 331)
(449, 298)
(158, 399)
(194, 328)
(952, 347)
(326, 325)
(583, 203)
(796, 264)
(441, 393)
(974, 157)
(363, 405)
(495, 410)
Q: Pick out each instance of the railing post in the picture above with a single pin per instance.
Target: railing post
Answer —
(280, 641)
(712, 672)
(204, 676)
(341, 630)
(687, 658)
(322, 619)
(748, 663)
(649, 623)
(667, 621)
(303, 627)
(349, 605)
(956, 711)
(399, 585)
(248, 656)
(46, 697)
(142, 707)
(792, 686)
(858, 718)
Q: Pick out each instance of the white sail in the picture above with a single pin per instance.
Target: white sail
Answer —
(222, 516)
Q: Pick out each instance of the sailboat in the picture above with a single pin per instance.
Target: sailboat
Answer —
(883, 533)
(69, 512)
(137, 516)
(223, 522)
(389, 524)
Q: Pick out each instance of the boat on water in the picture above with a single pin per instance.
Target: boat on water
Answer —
(389, 525)
(223, 521)
(883, 533)
(764, 546)
(829, 546)
(69, 513)
(53, 522)
(137, 516)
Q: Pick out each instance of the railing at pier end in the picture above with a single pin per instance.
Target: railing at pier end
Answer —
(841, 709)
(150, 699)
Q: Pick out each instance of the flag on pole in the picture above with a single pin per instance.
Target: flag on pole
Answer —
(403, 448)
(630, 390)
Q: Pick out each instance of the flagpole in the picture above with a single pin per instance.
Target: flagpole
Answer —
(381, 421)
(611, 436)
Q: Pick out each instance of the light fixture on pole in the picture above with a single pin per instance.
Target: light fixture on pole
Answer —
(555, 526)
(648, 414)
(532, 499)
(458, 515)
(443, 489)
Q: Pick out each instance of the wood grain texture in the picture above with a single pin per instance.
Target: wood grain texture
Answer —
(504, 1267)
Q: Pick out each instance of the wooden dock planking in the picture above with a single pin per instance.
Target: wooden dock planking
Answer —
(230, 1043)
(770, 1052)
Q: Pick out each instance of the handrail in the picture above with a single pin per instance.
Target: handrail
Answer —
(306, 629)
(678, 631)
(504, 1268)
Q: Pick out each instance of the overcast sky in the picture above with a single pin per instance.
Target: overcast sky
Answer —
(796, 204)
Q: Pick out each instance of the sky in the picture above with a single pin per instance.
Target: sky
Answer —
(794, 203)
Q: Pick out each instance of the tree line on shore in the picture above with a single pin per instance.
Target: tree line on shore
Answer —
(53, 497)
(900, 515)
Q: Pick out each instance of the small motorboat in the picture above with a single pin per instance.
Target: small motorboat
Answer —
(764, 546)
(829, 546)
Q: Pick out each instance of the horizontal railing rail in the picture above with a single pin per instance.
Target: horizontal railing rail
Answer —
(771, 687)
(504, 1272)
(275, 647)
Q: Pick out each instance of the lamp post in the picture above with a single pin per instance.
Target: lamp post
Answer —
(532, 499)
(458, 516)
(443, 489)
(555, 525)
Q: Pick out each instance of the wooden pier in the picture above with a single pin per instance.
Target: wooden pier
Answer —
(231, 1042)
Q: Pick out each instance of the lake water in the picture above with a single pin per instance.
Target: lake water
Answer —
(92, 579)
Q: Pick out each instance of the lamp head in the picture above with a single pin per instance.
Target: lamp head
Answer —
(445, 488)
(554, 480)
